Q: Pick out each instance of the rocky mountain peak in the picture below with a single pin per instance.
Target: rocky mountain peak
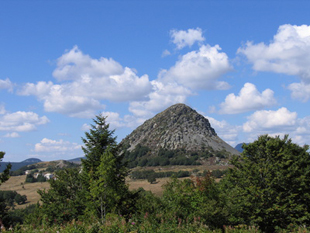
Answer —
(177, 127)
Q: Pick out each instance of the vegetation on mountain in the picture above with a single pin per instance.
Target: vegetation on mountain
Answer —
(176, 136)
(12, 197)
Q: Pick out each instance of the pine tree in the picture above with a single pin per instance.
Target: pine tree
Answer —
(103, 171)
(96, 142)
(107, 192)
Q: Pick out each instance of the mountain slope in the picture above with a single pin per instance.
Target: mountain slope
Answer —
(180, 129)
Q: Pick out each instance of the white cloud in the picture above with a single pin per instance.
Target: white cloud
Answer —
(281, 120)
(163, 96)
(288, 53)
(300, 91)
(12, 135)
(6, 84)
(21, 121)
(225, 131)
(74, 64)
(88, 82)
(249, 99)
(186, 38)
(114, 119)
(85, 127)
(199, 69)
(166, 53)
(49, 145)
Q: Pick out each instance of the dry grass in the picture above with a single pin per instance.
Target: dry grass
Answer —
(156, 187)
(16, 183)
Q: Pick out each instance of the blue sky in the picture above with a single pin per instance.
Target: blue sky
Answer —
(242, 64)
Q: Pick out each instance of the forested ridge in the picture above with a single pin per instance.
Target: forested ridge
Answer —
(267, 190)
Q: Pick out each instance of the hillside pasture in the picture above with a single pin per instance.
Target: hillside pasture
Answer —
(17, 183)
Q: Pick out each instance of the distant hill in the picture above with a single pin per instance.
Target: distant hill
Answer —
(239, 147)
(39, 163)
(32, 160)
(177, 136)
(18, 165)
(76, 160)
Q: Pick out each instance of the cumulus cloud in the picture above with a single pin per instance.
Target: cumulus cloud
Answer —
(6, 84)
(114, 119)
(88, 82)
(300, 91)
(21, 121)
(12, 135)
(287, 53)
(183, 38)
(281, 120)
(163, 96)
(249, 99)
(199, 69)
(229, 133)
(74, 64)
(49, 145)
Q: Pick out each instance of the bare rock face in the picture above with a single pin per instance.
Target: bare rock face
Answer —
(178, 127)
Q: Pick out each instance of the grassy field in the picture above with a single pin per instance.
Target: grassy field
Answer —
(17, 183)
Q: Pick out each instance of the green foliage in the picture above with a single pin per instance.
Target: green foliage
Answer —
(9, 197)
(107, 188)
(145, 174)
(40, 178)
(64, 201)
(187, 199)
(142, 156)
(5, 175)
(269, 185)
(30, 179)
(151, 178)
(96, 141)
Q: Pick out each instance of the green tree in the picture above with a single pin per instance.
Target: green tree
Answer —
(151, 178)
(96, 142)
(189, 198)
(20, 199)
(30, 179)
(269, 185)
(104, 172)
(4, 176)
(65, 200)
(108, 191)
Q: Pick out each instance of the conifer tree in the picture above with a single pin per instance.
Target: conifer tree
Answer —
(96, 142)
(107, 192)
(103, 171)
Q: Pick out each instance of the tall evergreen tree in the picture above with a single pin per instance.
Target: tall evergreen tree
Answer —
(103, 171)
(107, 192)
(96, 143)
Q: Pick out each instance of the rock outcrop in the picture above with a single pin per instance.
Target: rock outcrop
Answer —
(178, 127)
